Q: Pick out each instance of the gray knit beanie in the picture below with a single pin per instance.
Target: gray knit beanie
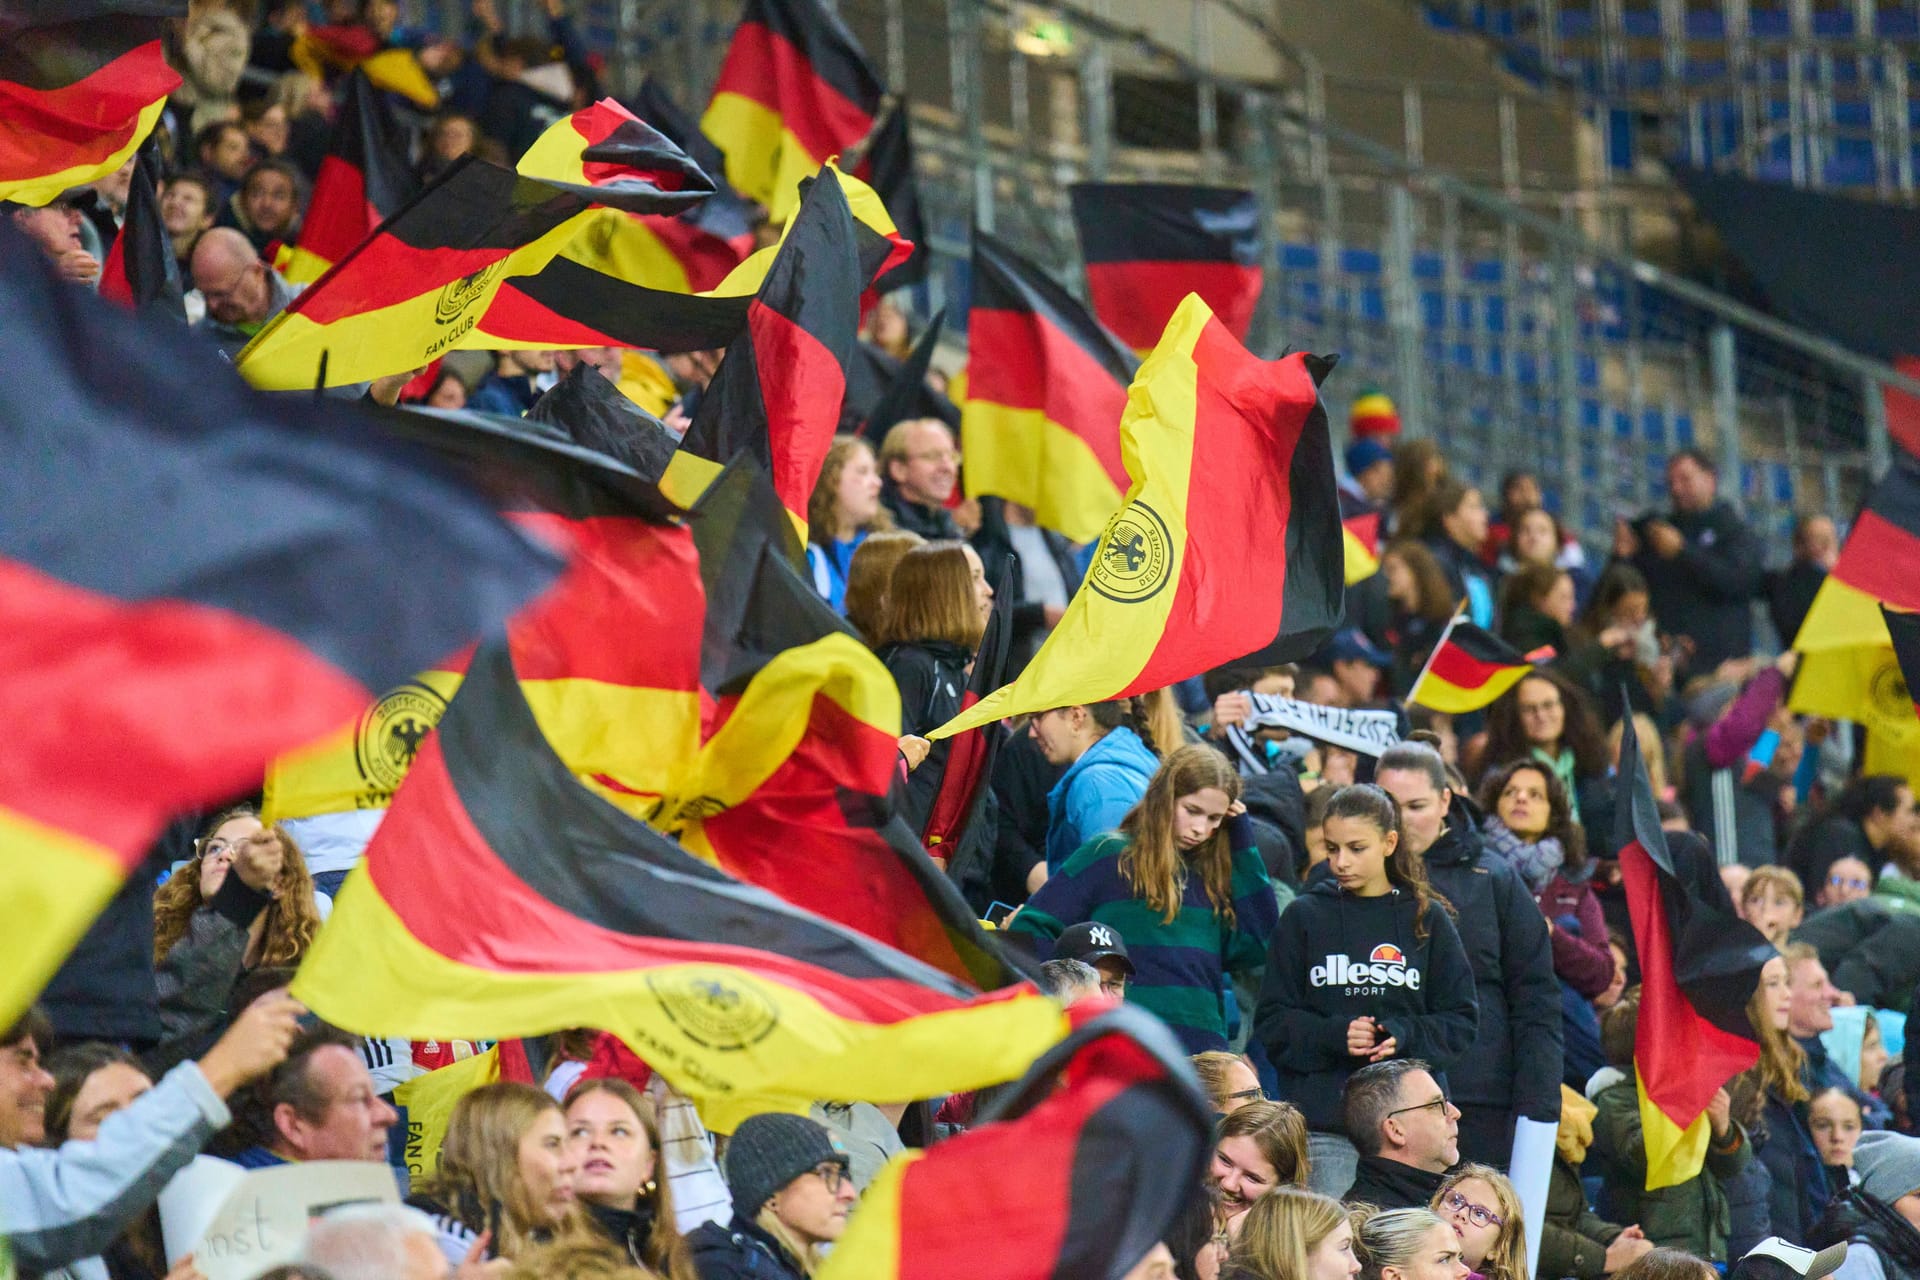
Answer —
(1889, 1165)
(768, 1151)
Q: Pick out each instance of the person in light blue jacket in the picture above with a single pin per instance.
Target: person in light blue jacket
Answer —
(1109, 757)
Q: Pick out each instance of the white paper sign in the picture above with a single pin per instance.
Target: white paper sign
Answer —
(239, 1222)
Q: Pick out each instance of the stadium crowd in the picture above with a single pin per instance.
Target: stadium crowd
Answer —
(1380, 964)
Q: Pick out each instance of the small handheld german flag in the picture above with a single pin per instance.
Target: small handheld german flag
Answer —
(1470, 668)
(1361, 535)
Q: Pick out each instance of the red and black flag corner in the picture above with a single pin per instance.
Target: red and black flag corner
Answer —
(1884, 545)
(82, 83)
(356, 564)
(795, 90)
(141, 270)
(1699, 966)
(1469, 669)
(1147, 245)
(364, 177)
(740, 999)
(778, 390)
(614, 158)
(716, 235)
(1106, 1133)
(888, 168)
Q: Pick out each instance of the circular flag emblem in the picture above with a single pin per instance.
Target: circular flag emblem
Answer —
(391, 730)
(715, 1010)
(1135, 558)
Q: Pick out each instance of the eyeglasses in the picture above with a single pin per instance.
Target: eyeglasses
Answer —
(220, 848)
(1113, 986)
(1248, 1095)
(1848, 882)
(1478, 1215)
(936, 456)
(1439, 1104)
(834, 1174)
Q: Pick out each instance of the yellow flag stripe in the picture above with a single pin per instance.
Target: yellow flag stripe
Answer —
(1020, 455)
(1673, 1154)
(1443, 695)
(1841, 618)
(52, 885)
(688, 475)
(42, 188)
(870, 1249)
(1361, 563)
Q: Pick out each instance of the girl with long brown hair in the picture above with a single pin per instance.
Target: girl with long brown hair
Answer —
(1182, 885)
(844, 508)
(1419, 603)
(506, 1170)
(621, 1182)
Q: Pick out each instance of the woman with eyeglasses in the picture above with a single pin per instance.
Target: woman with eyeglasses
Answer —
(1484, 1211)
(792, 1191)
(244, 901)
(1549, 719)
(1294, 1235)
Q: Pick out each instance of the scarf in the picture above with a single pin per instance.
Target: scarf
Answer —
(1537, 863)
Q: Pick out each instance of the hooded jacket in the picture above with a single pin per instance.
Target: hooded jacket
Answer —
(1336, 957)
(1515, 1063)
(1096, 792)
(1691, 1215)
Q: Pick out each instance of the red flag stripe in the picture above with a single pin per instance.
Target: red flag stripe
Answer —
(82, 123)
(801, 387)
(1134, 299)
(1023, 362)
(764, 67)
(1462, 670)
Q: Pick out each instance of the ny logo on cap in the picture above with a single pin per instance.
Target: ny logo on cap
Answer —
(1101, 936)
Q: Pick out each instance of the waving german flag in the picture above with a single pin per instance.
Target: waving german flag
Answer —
(1904, 628)
(129, 435)
(1227, 550)
(1698, 968)
(1147, 245)
(967, 758)
(1046, 386)
(795, 90)
(888, 166)
(82, 83)
(741, 1000)
(1106, 1134)
(613, 157)
(778, 390)
(1878, 555)
(1362, 543)
(363, 178)
(1468, 669)
(141, 271)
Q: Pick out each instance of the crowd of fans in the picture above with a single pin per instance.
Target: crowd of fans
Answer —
(1380, 964)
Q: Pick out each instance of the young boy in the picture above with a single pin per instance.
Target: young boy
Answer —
(1773, 902)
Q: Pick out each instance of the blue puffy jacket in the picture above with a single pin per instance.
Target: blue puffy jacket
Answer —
(1096, 792)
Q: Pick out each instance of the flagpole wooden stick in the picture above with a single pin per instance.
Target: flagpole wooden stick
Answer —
(1458, 611)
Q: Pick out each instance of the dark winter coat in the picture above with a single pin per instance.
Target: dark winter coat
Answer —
(1800, 1190)
(1335, 957)
(1691, 1215)
(740, 1251)
(1389, 1184)
(1704, 592)
(1573, 1238)
(196, 979)
(935, 524)
(932, 677)
(1880, 1243)
(1515, 1061)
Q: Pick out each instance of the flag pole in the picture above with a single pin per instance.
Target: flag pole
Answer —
(1458, 610)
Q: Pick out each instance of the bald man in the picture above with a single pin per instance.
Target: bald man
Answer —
(242, 292)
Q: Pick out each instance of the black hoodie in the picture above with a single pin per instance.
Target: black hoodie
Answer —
(1335, 957)
(1515, 1063)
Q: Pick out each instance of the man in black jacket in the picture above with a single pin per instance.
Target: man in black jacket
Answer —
(1514, 1069)
(1701, 563)
(919, 467)
(1407, 1133)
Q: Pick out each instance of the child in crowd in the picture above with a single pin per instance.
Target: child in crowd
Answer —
(1773, 902)
(1835, 1120)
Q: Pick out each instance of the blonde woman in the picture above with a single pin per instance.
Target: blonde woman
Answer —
(1483, 1209)
(1294, 1234)
(1407, 1244)
(506, 1172)
(614, 1141)
(792, 1191)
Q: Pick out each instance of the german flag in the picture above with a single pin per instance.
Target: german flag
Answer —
(1885, 540)
(906, 394)
(128, 435)
(1149, 244)
(1046, 386)
(1361, 538)
(363, 178)
(1698, 968)
(778, 390)
(1467, 670)
(795, 90)
(969, 756)
(716, 235)
(82, 83)
(140, 270)
(1107, 1132)
(324, 52)
(625, 717)
(614, 158)
(888, 167)
(595, 415)
(1227, 551)
(739, 999)
(1905, 630)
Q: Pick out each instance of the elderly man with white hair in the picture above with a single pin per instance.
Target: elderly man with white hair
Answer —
(386, 1242)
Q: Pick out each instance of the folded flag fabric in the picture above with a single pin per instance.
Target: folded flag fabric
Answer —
(364, 177)
(1468, 669)
(968, 757)
(614, 158)
(1698, 968)
(82, 83)
(1361, 543)
(596, 415)
(739, 999)
(1149, 244)
(140, 271)
(794, 91)
(264, 603)
(888, 166)
(323, 51)
(1905, 630)
(1104, 1135)
(1046, 388)
(1885, 539)
(1227, 550)
(906, 394)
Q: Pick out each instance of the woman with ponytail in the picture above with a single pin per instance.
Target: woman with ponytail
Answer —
(1364, 966)
(1108, 754)
(1181, 884)
(1407, 1244)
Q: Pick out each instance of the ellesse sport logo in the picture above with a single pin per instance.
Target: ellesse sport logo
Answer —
(1385, 966)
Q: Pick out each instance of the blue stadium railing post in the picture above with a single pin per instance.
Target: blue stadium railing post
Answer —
(1723, 359)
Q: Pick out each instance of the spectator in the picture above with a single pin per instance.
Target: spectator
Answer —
(1536, 608)
(1771, 902)
(869, 570)
(1668, 1264)
(1068, 981)
(921, 467)
(792, 1191)
(1614, 646)
(575, 1259)
(1256, 1150)
(1039, 566)
(1835, 1121)
(55, 228)
(505, 1169)
(1418, 466)
(1700, 562)
(1198, 1245)
(92, 1081)
(1772, 1098)
(613, 1141)
(1530, 825)
(1293, 1234)
(1407, 1244)
(266, 209)
(450, 136)
(1878, 1221)
(844, 509)
(223, 152)
(1739, 770)
(319, 1104)
(186, 209)
(449, 391)
(1692, 1215)
(1357, 666)
(1419, 606)
(241, 291)
(1229, 1081)
(1108, 757)
(1873, 820)
(1104, 951)
(1184, 888)
(1519, 494)
(375, 1242)
(1454, 528)
(1484, 1211)
(1516, 1062)
(1857, 1046)
(517, 380)
(269, 128)
(59, 1207)
(1574, 1240)
(1538, 539)
(1407, 1133)
(1789, 592)
(1848, 880)
(1811, 1014)
(1545, 718)
(1368, 485)
(307, 104)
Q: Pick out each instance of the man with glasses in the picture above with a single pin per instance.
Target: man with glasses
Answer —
(919, 467)
(241, 291)
(1406, 1130)
(1101, 947)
